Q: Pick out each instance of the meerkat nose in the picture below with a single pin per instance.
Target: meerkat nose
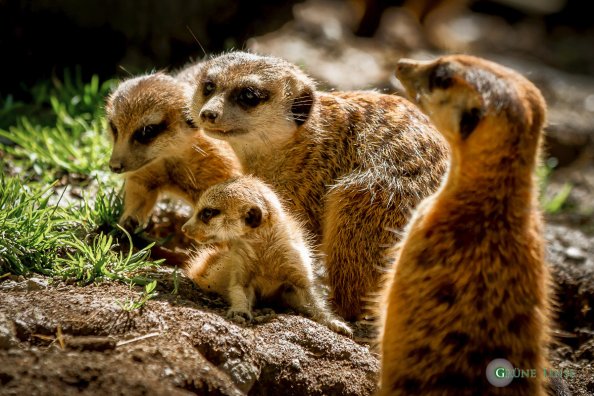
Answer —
(185, 228)
(209, 115)
(116, 167)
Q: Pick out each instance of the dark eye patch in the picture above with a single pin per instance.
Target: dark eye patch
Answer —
(250, 97)
(208, 213)
(440, 77)
(113, 128)
(469, 120)
(147, 133)
(208, 88)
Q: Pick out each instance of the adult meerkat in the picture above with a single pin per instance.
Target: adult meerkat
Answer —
(266, 254)
(470, 284)
(157, 146)
(352, 165)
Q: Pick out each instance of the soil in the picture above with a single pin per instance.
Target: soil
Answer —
(57, 338)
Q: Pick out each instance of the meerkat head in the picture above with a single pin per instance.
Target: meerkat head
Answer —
(469, 98)
(147, 116)
(230, 210)
(251, 100)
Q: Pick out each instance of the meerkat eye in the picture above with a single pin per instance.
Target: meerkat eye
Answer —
(250, 97)
(145, 134)
(208, 88)
(113, 128)
(208, 213)
(440, 77)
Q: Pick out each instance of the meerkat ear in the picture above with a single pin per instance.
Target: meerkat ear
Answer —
(253, 217)
(302, 106)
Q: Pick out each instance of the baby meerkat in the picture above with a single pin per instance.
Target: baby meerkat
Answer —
(352, 165)
(157, 146)
(266, 255)
(470, 284)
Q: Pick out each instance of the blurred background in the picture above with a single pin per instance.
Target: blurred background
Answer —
(40, 38)
(350, 44)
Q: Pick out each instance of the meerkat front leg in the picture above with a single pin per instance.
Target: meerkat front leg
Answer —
(307, 301)
(241, 296)
(138, 204)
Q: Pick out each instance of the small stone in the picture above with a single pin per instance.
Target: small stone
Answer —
(7, 332)
(36, 284)
(296, 364)
(10, 285)
(575, 253)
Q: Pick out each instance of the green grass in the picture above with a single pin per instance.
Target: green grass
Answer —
(551, 204)
(133, 304)
(56, 140)
(62, 133)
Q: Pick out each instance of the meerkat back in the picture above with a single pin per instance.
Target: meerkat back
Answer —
(351, 165)
(468, 300)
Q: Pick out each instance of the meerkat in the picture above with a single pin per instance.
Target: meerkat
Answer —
(352, 165)
(157, 147)
(267, 254)
(469, 283)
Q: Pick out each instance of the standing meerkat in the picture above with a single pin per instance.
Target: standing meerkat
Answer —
(157, 146)
(266, 255)
(352, 165)
(470, 284)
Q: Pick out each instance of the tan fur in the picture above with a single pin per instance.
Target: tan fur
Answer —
(470, 284)
(352, 165)
(267, 257)
(178, 160)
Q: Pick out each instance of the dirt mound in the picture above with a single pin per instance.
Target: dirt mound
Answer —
(64, 339)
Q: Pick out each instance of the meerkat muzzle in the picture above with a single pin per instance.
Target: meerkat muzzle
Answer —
(410, 73)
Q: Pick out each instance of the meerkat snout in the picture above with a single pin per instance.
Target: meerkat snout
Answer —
(116, 166)
(209, 116)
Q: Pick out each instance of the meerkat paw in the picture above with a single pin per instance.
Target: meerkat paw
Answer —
(339, 327)
(239, 315)
(129, 223)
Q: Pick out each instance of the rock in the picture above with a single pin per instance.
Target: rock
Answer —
(575, 254)
(36, 284)
(7, 332)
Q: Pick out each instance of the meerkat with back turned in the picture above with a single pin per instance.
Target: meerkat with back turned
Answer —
(266, 255)
(157, 146)
(352, 165)
(470, 284)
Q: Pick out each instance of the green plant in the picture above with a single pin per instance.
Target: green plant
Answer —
(551, 204)
(101, 211)
(31, 230)
(133, 304)
(175, 282)
(62, 132)
(98, 259)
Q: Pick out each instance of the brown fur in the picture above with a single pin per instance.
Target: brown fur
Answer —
(179, 160)
(470, 284)
(267, 254)
(352, 165)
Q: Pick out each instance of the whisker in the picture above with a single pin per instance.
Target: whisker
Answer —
(196, 38)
